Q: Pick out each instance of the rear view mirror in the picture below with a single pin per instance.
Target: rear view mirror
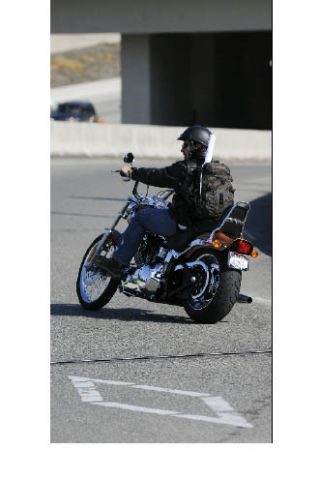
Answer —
(128, 158)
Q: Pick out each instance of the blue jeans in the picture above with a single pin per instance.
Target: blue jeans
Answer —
(158, 221)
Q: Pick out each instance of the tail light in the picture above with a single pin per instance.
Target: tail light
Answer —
(243, 246)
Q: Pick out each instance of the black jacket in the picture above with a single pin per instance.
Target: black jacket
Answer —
(184, 178)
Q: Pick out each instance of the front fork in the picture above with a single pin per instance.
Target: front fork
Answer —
(97, 248)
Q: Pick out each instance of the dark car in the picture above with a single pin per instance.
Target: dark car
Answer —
(78, 111)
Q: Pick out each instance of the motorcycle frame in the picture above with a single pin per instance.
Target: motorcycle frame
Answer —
(172, 254)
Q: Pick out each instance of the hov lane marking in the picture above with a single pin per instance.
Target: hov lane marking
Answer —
(224, 413)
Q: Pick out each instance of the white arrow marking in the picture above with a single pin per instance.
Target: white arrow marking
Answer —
(225, 413)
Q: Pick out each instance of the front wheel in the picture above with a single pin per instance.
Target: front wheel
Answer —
(94, 288)
(215, 288)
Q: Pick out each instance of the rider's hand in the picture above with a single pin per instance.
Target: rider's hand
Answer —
(126, 171)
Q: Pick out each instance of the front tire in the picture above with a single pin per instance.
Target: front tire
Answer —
(94, 288)
(215, 301)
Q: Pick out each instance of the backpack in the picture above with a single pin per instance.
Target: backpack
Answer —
(217, 193)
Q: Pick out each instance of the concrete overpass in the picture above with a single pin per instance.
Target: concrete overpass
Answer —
(183, 62)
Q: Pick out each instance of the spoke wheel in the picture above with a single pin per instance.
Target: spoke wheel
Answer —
(94, 287)
(206, 272)
(215, 288)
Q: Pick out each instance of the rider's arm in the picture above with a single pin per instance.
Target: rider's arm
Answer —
(170, 177)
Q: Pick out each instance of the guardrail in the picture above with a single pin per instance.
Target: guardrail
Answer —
(149, 141)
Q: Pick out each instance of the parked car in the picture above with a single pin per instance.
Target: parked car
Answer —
(75, 111)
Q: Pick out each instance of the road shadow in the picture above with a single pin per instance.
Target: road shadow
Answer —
(123, 314)
(259, 223)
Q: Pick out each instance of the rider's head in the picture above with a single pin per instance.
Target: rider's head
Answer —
(195, 140)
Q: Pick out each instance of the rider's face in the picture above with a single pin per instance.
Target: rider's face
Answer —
(186, 149)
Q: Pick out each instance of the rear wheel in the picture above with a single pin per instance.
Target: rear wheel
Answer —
(94, 288)
(215, 288)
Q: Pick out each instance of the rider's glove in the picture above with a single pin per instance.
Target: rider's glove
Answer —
(127, 175)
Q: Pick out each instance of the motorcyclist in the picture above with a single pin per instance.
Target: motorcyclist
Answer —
(184, 177)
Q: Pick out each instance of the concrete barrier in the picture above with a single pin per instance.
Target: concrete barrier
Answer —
(76, 139)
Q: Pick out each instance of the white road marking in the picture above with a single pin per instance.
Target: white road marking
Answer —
(234, 420)
(98, 380)
(225, 414)
(218, 405)
(86, 389)
(135, 408)
(170, 390)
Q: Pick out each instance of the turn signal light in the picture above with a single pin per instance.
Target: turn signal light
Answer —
(216, 243)
(242, 246)
(254, 253)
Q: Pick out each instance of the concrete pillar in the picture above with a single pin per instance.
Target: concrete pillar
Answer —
(135, 66)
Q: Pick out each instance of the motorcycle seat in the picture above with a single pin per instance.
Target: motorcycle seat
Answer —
(234, 222)
(231, 223)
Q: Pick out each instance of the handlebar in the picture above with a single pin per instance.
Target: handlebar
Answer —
(135, 188)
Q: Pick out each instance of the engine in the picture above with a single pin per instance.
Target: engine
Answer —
(149, 249)
(144, 281)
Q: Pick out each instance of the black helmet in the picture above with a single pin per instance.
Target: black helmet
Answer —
(196, 133)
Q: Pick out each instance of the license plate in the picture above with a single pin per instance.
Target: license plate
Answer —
(240, 262)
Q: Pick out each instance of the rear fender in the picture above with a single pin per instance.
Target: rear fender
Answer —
(224, 243)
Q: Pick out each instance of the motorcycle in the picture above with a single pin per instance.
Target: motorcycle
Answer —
(202, 274)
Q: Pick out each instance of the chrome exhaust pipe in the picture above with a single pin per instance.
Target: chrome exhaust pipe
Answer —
(242, 298)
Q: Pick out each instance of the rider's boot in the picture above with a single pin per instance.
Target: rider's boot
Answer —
(110, 266)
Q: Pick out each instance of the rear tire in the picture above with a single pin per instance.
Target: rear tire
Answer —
(106, 286)
(225, 296)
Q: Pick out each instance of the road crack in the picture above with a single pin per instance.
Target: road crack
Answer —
(155, 357)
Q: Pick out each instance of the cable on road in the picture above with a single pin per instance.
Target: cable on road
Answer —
(155, 357)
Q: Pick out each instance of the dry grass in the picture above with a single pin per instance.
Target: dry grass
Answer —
(107, 57)
(88, 59)
(86, 64)
(62, 62)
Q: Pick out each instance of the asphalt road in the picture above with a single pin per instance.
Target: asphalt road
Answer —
(211, 398)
